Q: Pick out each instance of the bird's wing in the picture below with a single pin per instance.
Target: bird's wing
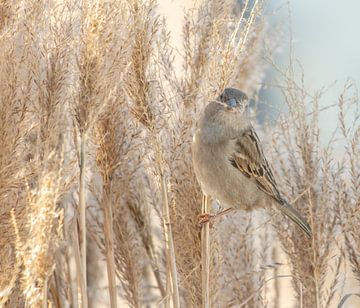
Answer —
(250, 160)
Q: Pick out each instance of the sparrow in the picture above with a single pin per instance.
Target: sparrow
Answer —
(229, 161)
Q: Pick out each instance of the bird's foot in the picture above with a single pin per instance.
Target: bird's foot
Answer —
(206, 217)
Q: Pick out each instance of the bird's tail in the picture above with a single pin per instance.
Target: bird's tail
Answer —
(295, 216)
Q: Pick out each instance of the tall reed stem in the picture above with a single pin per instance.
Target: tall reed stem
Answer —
(82, 211)
(169, 241)
(109, 247)
(205, 254)
(315, 259)
(45, 294)
(77, 257)
(170, 245)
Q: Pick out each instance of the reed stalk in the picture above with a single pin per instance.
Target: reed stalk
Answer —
(170, 250)
(82, 214)
(205, 254)
(109, 248)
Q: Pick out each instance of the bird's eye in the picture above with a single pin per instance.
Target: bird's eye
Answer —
(231, 103)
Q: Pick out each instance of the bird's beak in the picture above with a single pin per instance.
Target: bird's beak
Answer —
(231, 102)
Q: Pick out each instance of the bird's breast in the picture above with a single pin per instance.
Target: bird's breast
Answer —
(219, 178)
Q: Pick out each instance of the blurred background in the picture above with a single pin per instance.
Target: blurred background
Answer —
(324, 40)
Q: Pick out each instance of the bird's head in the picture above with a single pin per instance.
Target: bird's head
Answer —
(233, 100)
(226, 117)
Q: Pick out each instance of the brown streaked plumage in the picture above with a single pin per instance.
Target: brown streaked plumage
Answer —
(229, 161)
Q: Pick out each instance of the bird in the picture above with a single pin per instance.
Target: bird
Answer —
(229, 162)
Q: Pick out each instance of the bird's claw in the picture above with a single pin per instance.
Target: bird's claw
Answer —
(205, 218)
(209, 218)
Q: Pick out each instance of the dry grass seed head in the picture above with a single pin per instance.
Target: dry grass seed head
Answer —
(311, 177)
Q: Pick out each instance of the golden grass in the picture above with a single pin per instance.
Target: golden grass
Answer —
(95, 132)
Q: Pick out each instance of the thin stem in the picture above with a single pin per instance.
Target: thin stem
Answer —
(54, 291)
(79, 270)
(82, 210)
(315, 261)
(170, 244)
(109, 247)
(261, 286)
(169, 241)
(155, 270)
(243, 41)
(168, 276)
(73, 293)
(45, 294)
(158, 279)
(276, 281)
(205, 254)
